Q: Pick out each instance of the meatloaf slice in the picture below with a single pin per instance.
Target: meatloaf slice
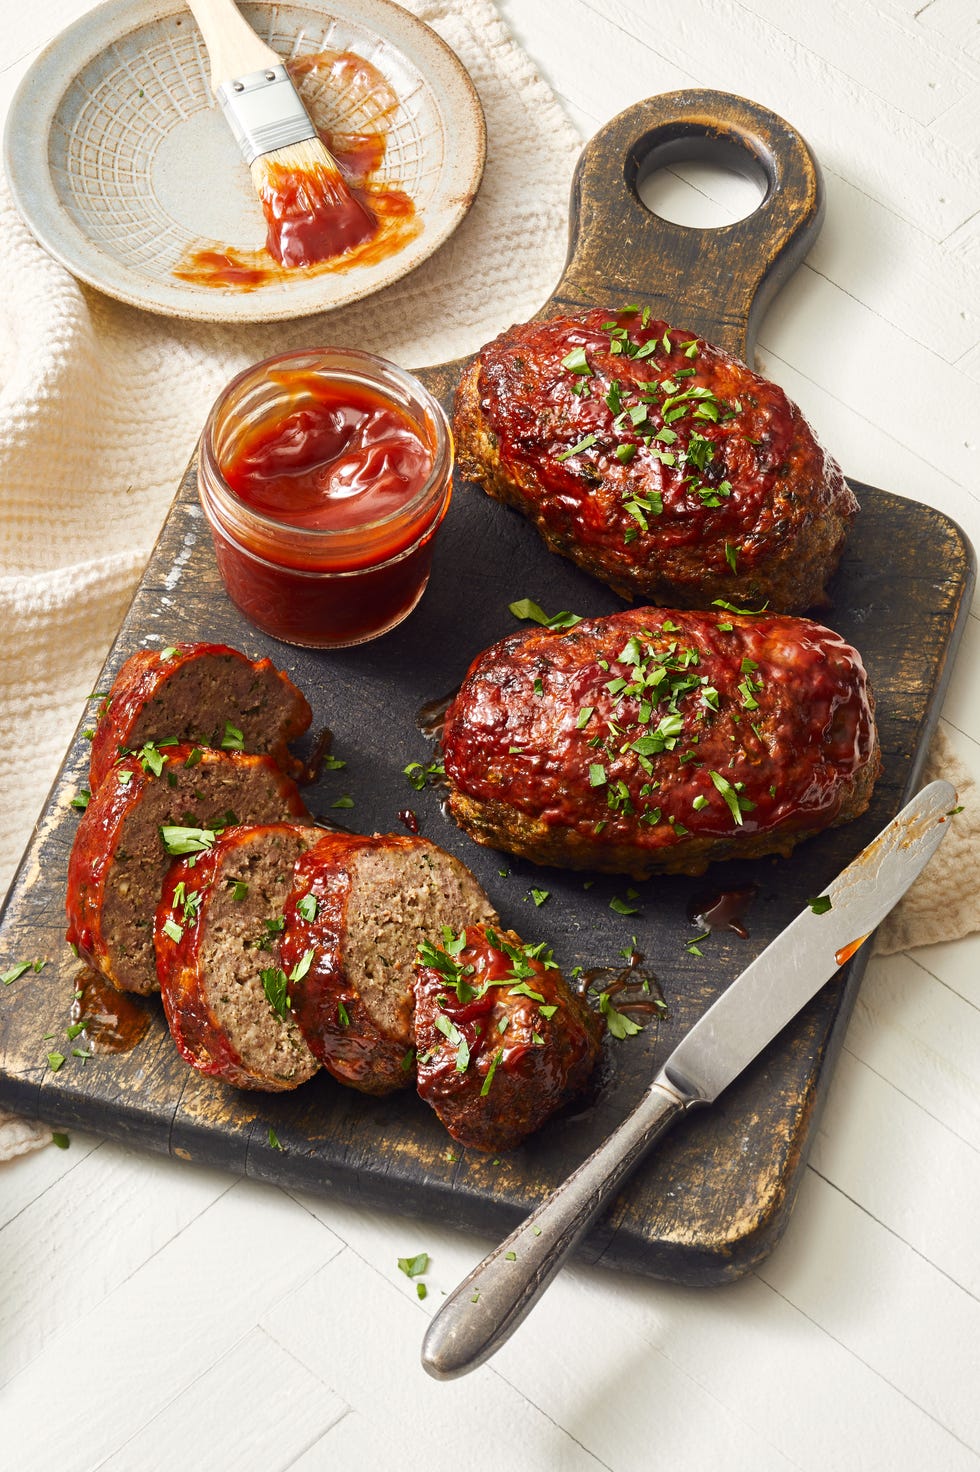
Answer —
(362, 906)
(655, 741)
(502, 1041)
(122, 848)
(655, 461)
(206, 693)
(224, 990)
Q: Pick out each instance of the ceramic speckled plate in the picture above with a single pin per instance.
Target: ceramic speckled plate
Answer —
(121, 164)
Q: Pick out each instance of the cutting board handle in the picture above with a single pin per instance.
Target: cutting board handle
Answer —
(716, 282)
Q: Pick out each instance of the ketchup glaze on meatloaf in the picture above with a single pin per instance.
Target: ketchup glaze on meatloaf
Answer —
(656, 741)
(655, 461)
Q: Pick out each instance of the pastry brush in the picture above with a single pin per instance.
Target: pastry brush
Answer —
(310, 210)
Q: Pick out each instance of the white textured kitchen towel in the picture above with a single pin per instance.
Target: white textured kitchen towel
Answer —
(102, 405)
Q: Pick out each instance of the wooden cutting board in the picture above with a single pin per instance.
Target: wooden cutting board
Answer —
(715, 1198)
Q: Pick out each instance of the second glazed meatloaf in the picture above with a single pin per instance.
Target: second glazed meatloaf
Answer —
(656, 741)
(654, 460)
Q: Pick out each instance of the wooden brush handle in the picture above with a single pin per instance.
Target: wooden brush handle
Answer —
(234, 49)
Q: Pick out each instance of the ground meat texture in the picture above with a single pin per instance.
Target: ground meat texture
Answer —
(655, 741)
(655, 461)
(119, 858)
(363, 905)
(217, 934)
(204, 693)
(502, 1041)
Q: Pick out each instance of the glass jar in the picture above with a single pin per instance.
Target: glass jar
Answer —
(332, 570)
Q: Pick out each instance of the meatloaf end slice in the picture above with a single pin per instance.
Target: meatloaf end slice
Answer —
(502, 1041)
(362, 906)
(120, 854)
(205, 693)
(657, 741)
(217, 932)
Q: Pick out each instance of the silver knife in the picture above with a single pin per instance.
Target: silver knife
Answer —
(497, 1295)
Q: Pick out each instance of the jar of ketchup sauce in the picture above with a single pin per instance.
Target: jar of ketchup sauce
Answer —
(324, 475)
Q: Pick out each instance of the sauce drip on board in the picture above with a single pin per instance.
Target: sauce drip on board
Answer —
(343, 456)
(351, 104)
(114, 1021)
(722, 909)
(634, 987)
(431, 717)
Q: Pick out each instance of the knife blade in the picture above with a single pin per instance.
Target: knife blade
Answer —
(496, 1296)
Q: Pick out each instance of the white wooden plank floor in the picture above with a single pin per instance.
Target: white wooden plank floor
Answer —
(158, 1317)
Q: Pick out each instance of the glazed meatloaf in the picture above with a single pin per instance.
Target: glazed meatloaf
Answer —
(357, 913)
(655, 461)
(224, 990)
(656, 741)
(204, 693)
(502, 1041)
(151, 807)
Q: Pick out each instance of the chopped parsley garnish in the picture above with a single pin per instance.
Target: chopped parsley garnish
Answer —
(151, 758)
(539, 896)
(274, 1140)
(19, 969)
(172, 930)
(419, 776)
(623, 907)
(820, 904)
(178, 840)
(576, 362)
(343, 1016)
(55, 1060)
(81, 799)
(527, 608)
(490, 1073)
(584, 444)
(306, 908)
(617, 1022)
(343, 802)
(233, 739)
(61, 1140)
(414, 1267)
(455, 1040)
(275, 988)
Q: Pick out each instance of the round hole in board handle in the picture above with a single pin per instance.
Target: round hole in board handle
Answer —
(703, 183)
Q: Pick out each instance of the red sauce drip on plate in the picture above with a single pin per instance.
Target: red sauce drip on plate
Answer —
(317, 221)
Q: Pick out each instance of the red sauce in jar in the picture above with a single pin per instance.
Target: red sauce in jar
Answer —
(342, 457)
(325, 476)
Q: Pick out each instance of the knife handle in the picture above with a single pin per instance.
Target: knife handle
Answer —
(494, 1299)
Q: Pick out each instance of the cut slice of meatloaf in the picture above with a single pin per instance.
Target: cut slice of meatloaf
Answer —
(655, 461)
(656, 741)
(204, 693)
(123, 845)
(224, 990)
(359, 909)
(502, 1041)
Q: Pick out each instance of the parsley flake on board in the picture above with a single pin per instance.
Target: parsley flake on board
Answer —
(527, 608)
(820, 904)
(274, 1140)
(414, 1267)
(617, 1022)
(19, 969)
(539, 896)
(61, 1140)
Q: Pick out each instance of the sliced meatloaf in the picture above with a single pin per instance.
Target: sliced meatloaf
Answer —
(502, 1041)
(150, 808)
(359, 909)
(224, 989)
(204, 693)
(656, 741)
(655, 461)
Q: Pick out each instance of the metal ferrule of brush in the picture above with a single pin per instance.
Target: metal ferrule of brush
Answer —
(264, 112)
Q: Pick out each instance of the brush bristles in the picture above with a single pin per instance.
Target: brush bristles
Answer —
(309, 157)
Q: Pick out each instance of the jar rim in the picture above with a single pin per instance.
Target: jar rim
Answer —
(442, 456)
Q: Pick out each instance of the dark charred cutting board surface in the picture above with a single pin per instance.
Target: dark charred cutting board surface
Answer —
(715, 1196)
